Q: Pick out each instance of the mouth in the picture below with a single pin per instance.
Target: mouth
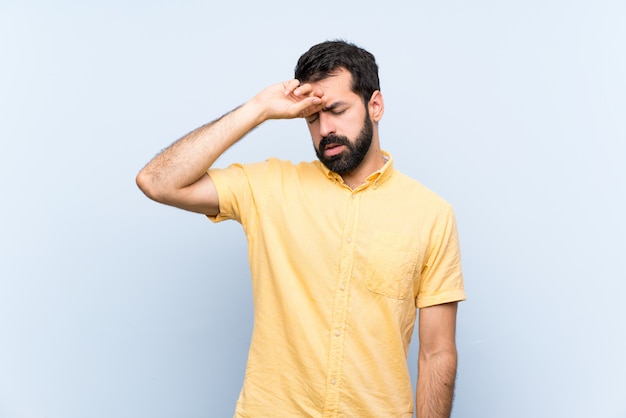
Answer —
(333, 149)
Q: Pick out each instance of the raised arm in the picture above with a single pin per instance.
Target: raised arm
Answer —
(178, 175)
(437, 361)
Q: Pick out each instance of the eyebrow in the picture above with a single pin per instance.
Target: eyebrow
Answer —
(333, 106)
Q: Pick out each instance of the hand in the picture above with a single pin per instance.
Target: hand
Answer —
(289, 100)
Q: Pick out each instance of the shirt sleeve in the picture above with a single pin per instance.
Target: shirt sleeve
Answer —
(241, 190)
(442, 279)
(233, 191)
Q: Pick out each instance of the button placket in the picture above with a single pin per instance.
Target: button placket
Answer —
(340, 310)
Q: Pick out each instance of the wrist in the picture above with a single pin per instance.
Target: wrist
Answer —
(256, 110)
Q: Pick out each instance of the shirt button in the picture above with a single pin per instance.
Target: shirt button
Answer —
(337, 333)
(349, 240)
(342, 287)
(333, 381)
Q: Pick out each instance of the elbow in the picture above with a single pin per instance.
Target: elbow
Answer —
(444, 362)
(445, 353)
(143, 181)
(147, 185)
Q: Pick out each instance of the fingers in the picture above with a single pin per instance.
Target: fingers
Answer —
(300, 90)
(290, 86)
(305, 99)
(311, 105)
(307, 90)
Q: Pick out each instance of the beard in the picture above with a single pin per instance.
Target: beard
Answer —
(353, 154)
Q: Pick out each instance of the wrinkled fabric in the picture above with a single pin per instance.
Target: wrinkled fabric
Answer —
(337, 275)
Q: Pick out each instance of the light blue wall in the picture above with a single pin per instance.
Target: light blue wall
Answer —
(112, 305)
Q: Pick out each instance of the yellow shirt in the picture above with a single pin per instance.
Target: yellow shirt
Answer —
(337, 275)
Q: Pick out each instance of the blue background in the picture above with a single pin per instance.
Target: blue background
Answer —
(112, 305)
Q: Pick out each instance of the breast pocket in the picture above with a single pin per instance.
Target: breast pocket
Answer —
(391, 263)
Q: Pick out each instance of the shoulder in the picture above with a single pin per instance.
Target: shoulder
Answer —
(418, 193)
(279, 164)
(262, 171)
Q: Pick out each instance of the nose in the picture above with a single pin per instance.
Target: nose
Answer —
(327, 126)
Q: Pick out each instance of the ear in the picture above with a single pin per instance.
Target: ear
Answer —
(376, 106)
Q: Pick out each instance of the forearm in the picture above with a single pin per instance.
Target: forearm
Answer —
(177, 176)
(435, 384)
(188, 159)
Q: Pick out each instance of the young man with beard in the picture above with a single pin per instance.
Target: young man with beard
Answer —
(343, 250)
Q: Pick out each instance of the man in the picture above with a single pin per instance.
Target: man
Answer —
(342, 250)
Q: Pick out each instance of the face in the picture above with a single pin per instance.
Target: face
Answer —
(341, 155)
(342, 132)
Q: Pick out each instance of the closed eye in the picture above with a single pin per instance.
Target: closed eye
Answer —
(311, 119)
(336, 108)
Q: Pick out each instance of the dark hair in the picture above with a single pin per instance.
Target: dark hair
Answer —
(325, 59)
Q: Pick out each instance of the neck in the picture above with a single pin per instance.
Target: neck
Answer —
(373, 162)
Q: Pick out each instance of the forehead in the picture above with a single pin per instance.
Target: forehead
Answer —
(338, 85)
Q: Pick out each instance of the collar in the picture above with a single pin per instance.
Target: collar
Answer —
(375, 179)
